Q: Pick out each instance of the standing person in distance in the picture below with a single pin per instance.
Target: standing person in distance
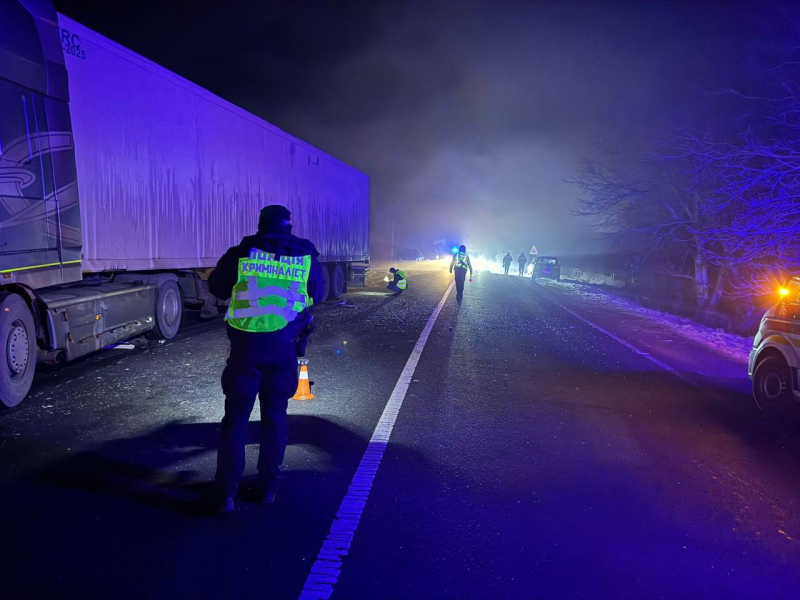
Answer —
(507, 262)
(461, 263)
(523, 261)
(272, 278)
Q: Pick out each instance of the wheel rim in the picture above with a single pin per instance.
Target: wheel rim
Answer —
(17, 349)
(170, 308)
(773, 386)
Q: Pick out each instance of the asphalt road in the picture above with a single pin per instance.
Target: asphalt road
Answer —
(532, 457)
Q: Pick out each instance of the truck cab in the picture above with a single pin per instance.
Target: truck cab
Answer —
(40, 226)
(775, 357)
(47, 311)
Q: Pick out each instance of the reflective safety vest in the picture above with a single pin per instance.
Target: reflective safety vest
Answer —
(462, 261)
(403, 283)
(270, 292)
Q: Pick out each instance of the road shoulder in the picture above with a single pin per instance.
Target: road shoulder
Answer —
(710, 359)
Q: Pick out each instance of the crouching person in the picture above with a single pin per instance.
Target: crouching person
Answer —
(398, 282)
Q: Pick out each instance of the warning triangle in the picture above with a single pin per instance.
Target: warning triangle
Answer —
(533, 250)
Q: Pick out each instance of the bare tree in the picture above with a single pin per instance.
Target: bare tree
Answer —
(653, 204)
(721, 208)
(754, 203)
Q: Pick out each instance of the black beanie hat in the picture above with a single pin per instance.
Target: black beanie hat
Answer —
(272, 217)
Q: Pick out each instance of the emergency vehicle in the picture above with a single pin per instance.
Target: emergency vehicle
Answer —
(775, 357)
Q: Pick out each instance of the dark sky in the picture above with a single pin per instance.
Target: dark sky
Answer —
(466, 115)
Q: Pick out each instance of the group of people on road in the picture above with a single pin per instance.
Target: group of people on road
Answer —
(522, 260)
(460, 265)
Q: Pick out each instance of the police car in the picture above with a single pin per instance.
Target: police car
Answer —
(775, 357)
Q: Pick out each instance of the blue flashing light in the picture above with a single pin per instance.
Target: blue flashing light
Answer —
(454, 249)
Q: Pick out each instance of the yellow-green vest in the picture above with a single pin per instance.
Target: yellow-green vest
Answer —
(462, 261)
(270, 292)
(403, 283)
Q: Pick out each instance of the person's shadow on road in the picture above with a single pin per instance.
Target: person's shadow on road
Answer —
(146, 469)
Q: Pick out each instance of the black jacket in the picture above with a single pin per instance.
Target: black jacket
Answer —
(226, 274)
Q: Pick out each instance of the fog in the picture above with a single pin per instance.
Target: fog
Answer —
(467, 116)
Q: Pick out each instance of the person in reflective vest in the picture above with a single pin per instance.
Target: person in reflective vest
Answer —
(271, 291)
(272, 278)
(460, 264)
(398, 283)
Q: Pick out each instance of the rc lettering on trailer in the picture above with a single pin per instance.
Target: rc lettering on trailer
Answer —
(71, 44)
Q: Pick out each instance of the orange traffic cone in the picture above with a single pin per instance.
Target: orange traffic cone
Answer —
(303, 386)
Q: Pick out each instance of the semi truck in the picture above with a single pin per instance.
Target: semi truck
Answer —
(121, 185)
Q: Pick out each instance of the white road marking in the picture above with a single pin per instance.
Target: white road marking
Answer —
(630, 346)
(328, 565)
(633, 348)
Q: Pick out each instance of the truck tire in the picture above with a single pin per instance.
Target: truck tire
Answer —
(326, 282)
(337, 282)
(168, 313)
(17, 349)
(772, 386)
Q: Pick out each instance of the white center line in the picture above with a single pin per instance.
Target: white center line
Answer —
(328, 565)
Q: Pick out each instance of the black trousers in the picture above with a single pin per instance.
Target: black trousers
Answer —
(506, 267)
(393, 287)
(461, 275)
(521, 268)
(269, 371)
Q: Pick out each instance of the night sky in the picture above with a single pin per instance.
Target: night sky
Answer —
(466, 115)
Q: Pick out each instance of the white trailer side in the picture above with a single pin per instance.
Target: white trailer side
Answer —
(170, 175)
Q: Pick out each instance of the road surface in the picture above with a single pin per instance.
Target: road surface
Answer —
(530, 455)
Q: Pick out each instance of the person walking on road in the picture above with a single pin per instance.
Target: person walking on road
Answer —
(398, 283)
(461, 263)
(523, 261)
(507, 262)
(272, 278)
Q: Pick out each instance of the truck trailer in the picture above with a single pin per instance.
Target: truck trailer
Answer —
(121, 185)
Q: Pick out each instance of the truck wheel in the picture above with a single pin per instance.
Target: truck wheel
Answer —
(772, 386)
(17, 349)
(169, 310)
(337, 282)
(326, 282)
